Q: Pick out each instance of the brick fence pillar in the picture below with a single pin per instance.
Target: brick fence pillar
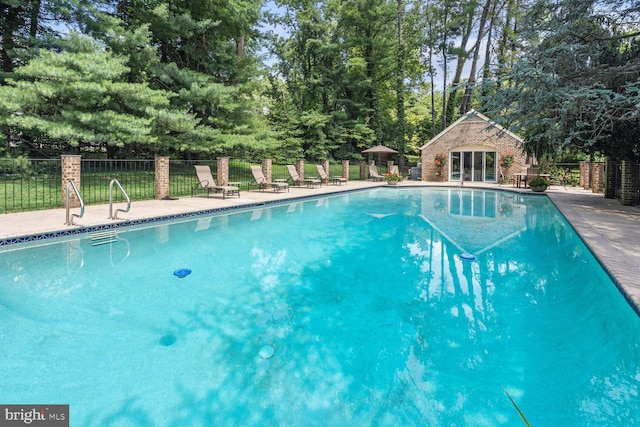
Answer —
(71, 171)
(584, 174)
(222, 172)
(610, 179)
(345, 169)
(162, 177)
(597, 177)
(267, 169)
(630, 187)
(325, 166)
(300, 169)
(364, 170)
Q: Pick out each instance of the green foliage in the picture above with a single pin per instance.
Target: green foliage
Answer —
(154, 77)
(336, 68)
(183, 78)
(577, 83)
(78, 98)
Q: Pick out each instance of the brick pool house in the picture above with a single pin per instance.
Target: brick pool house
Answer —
(472, 147)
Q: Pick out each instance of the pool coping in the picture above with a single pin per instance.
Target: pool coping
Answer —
(125, 223)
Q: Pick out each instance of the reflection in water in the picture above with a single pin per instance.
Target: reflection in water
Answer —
(478, 203)
(526, 264)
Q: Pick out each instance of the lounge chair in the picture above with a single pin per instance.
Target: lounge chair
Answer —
(206, 182)
(394, 170)
(373, 173)
(262, 182)
(335, 179)
(297, 180)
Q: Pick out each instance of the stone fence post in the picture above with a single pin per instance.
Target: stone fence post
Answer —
(71, 171)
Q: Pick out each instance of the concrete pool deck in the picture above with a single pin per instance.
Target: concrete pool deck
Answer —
(611, 231)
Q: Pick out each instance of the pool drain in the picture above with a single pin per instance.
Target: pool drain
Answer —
(167, 340)
(266, 352)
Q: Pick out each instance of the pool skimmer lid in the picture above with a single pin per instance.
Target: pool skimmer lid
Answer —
(182, 272)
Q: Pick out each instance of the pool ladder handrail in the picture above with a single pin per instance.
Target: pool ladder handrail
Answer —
(72, 185)
(113, 215)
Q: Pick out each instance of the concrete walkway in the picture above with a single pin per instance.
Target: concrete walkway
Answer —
(611, 231)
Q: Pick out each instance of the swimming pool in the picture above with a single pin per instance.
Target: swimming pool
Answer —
(373, 316)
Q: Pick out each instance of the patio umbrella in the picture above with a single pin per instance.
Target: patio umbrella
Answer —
(379, 150)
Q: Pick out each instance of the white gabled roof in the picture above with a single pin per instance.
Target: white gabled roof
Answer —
(464, 117)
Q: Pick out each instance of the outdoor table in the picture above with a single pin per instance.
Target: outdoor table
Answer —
(519, 177)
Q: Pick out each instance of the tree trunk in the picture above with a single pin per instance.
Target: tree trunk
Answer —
(486, 72)
(400, 90)
(35, 18)
(506, 46)
(469, 87)
(8, 29)
(444, 72)
(461, 59)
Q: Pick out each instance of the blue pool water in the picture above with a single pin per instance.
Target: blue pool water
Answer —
(355, 309)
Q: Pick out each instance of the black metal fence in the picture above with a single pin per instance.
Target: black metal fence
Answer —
(566, 173)
(137, 177)
(35, 184)
(32, 184)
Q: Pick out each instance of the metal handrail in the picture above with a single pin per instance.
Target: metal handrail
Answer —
(111, 214)
(71, 185)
